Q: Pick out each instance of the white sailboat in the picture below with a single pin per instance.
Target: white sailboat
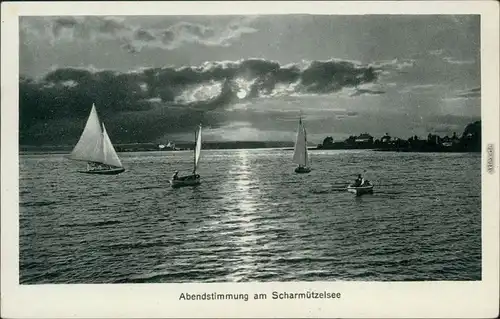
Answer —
(300, 154)
(194, 178)
(95, 148)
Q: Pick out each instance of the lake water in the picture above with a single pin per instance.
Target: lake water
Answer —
(251, 219)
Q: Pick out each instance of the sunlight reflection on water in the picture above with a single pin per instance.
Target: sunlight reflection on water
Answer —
(252, 218)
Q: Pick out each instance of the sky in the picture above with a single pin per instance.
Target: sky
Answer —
(154, 78)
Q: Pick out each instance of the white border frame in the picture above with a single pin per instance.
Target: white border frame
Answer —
(359, 299)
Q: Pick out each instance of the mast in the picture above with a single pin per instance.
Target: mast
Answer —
(194, 152)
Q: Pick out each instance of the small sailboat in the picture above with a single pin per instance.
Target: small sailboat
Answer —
(95, 148)
(300, 154)
(194, 178)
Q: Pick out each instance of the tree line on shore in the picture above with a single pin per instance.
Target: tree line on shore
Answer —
(469, 141)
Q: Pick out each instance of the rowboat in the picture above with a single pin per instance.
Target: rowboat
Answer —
(360, 190)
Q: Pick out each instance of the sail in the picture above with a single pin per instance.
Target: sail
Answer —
(109, 154)
(306, 153)
(300, 155)
(197, 150)
(89, 147)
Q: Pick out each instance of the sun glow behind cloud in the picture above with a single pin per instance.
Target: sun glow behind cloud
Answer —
(244, 87)
(257, 80)
(202, 92)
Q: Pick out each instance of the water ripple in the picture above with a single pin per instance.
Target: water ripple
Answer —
(252, 219)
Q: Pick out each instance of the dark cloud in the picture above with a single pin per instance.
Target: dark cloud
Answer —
(109, 25)
(80, 28)
(367, 92)
(134, 38)
(471, 93)
(143, 35)
(92, 24)
(195, 29)
(167, 37)
(443, 129)
(448, 124)
(395, 64)
(62, 23)
(144, 105)
(452, 60)
(129, 48)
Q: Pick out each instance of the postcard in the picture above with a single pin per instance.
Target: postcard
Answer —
(250, 159)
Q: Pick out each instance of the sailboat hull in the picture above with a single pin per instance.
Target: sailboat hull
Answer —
(190, 180)
(302, 170)
(114, 171)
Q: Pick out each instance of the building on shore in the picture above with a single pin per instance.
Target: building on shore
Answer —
(469, 141)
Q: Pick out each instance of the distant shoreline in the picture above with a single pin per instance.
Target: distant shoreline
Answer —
(407, 150)
(46, 150)
(468, 142)
(394, 150)
(155, 147)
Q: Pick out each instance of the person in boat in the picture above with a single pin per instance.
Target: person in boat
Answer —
(359, 181)
(175, 176)
(102, 167)
(91, 166)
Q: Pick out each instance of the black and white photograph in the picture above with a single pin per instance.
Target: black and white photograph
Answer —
(165, 148)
